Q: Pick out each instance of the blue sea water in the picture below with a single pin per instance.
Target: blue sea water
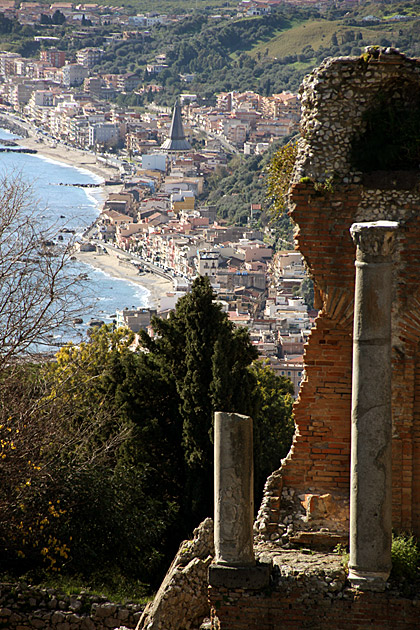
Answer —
(61, 204)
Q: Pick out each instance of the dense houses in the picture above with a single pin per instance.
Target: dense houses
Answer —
(77, 14)
(58, 91)
(254, 287)
(74, 106)
(157, 218)
(247, 120)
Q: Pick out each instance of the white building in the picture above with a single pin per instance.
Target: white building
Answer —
(154, 162)
(104, 134)
(74, 74)
(89, 57)
(207, 263)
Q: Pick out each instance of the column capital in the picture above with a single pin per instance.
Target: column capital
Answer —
(374, 240)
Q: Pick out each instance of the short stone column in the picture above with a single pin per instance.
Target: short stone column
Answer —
(234, 563)
(371, 428)
(233, 490)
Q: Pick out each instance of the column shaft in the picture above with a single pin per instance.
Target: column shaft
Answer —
(233, 490)
(370, 492)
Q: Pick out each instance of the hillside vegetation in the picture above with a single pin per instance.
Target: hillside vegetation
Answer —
(320, 33)
(224, 51)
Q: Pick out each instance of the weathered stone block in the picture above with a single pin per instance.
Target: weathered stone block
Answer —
(254, 578)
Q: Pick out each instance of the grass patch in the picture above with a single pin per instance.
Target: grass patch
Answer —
(294, 39)
(342, 551)
(317, 33)
(115, 587)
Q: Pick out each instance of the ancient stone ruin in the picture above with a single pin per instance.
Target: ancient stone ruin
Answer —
(355, 201)
(355, 195)
(358, 162)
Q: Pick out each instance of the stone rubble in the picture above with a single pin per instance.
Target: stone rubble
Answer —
(23, 606)
(181, 602)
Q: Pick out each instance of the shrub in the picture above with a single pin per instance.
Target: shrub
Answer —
(405, 555)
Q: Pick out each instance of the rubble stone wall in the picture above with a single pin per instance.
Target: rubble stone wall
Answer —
(24, 607)
(181, 602)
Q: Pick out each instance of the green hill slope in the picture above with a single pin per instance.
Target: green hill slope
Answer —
(320, 34)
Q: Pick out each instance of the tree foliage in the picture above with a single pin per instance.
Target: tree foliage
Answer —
(306, 291)
(71, 501)
(279, 172)
(107, 456)
(274, 426)
(205, 359)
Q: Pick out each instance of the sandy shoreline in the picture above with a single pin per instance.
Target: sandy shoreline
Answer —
(108, 263)
(117, 268)
(71, 156)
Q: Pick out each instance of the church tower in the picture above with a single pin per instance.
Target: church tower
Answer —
(176, 140)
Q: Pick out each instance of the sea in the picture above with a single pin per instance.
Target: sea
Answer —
(60, 203)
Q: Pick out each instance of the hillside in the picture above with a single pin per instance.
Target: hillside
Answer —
(317, 33)
(264, 53)
(223, 51)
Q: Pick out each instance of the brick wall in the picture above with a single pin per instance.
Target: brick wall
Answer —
(320, 457)
(327, 197)
(321, 453)
(300, 607)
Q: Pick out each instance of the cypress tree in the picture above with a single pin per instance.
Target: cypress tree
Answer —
(207, 359)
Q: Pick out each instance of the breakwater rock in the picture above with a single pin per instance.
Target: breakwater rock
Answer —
(17, 150)
(13, 126)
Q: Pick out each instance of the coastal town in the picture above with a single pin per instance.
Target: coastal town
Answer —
(209, 383)
(157, 163)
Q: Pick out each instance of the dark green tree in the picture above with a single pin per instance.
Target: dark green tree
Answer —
(6, 25)
(306, 291)
(273, 422)
(58, 17)
(129, 435)
(205, 360)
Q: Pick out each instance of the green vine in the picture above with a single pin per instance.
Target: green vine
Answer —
(279, 173)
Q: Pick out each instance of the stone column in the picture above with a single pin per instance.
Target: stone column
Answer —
(233, 490)
(234, 563)
(370, 492)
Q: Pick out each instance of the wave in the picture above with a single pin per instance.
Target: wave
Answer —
(140, 292)
(97, 179)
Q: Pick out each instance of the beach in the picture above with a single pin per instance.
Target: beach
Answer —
(116, 266)
(71, 156)
(111, 263)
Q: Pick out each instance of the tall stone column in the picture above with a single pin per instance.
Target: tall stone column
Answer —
(370, 492)
(233, 490)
